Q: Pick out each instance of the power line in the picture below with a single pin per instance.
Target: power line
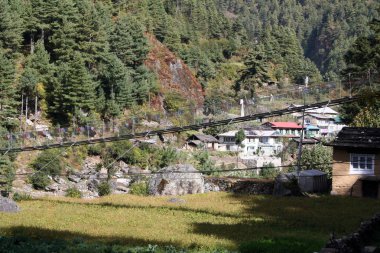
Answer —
(210, 171)
(177, 129)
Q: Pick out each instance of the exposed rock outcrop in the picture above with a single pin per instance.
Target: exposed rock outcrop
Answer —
(8, 205)
(176, 180)
(173, 74)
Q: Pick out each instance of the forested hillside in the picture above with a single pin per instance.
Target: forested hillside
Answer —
(86, 59)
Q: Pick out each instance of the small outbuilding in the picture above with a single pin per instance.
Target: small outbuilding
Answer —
(202, 141)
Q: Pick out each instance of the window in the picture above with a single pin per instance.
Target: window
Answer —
(362, 163)
(264, 139)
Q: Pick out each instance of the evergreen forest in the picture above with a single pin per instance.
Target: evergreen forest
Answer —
(84, 59)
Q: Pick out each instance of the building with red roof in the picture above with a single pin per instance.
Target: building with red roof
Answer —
(285, 128)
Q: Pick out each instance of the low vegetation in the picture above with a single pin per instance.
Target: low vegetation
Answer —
(203, 223)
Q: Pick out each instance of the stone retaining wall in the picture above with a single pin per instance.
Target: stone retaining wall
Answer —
(355, 241)
(247, 186)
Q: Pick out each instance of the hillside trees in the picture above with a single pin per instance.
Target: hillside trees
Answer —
(362, 59)
(8, 101)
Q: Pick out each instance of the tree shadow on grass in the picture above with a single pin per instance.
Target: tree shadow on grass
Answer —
(276, 222)
(69, 238)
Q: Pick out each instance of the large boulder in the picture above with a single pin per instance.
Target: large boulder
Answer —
(177, 180)
(8, 205)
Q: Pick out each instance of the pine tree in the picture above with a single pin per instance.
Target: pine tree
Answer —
(8, 101)
(11, 27)
(255, 72)
(77, 89)
(92, 35)
(128, 42)
(7, 174)
(115, 77)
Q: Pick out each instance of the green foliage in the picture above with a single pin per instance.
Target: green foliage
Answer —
(7, 95)
(167, 156)
(96, 149)
(174, 102)
(40, 180)
(104, 189)
(21, 196)
(278, 245)
(49, 162)
(139, 188)
(363, 57)
(204, 162)
(317, 157)
(239, 137)
(73, 192)
(269, 171)
(7, 174)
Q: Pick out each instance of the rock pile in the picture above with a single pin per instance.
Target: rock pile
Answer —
(86, 181)
(176, 180)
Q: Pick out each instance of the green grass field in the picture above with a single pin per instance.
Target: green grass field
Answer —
(204, 221)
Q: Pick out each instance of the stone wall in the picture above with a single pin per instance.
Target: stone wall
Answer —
(356, 241)
(235, 185)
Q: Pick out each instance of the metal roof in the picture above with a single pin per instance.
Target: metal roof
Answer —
(358, 137)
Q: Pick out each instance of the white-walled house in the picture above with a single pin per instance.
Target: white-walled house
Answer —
(258, 142)
(288, 129)
(328, 124)
(325, 118)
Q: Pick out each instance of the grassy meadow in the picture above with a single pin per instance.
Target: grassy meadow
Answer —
(205, 221)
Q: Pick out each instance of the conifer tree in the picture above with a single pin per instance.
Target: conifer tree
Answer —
(7, 174)
(255, 72)
(128, 42)
(76, 89)
(11, 27)
(8, 101)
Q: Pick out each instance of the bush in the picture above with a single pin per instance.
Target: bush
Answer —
(140, 188)
(40, 180)
(269, 171)
(73, 192)
(21, 196)
(104, 189)
(94, 150)
(49, 161)
(7, 174)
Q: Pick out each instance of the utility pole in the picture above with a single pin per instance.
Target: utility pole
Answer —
(301, 138)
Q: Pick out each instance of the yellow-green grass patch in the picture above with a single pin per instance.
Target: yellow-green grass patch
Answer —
(204, 220)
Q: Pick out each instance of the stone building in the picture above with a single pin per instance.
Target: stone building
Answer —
(356, 168)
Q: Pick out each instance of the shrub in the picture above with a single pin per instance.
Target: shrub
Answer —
(140, 188)
(7, 174)
(204, 162)
(269, 171)
(104, 189)
(49, 161)
(40, 180)
(73, 192)
(21, 196)
(94, 150)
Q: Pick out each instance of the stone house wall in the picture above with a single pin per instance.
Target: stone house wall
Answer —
(345, 183)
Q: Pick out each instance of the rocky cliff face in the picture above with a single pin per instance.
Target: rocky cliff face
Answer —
(173, 74)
